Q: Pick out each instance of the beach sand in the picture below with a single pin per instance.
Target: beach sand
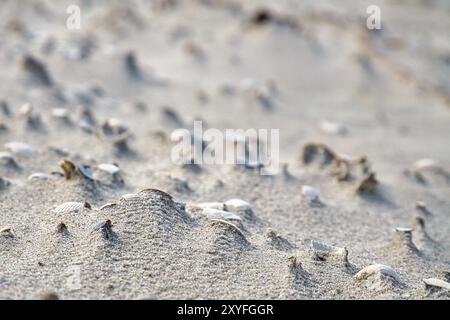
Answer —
(310, 69)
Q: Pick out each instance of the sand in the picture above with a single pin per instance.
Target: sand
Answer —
(134, 61)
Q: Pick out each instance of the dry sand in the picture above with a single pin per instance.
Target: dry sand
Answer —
(389, 89)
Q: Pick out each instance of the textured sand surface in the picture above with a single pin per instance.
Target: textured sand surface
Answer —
(390, 89)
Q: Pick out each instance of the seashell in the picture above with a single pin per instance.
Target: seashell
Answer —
(37, 71)
(72, 207)
(20, 149)
(313, 150)
(437, 283)
(424, 164)
(4, 183)
(220, 214)
(211, 205)
(26, 109)
(7, 231)
(428, 165)
(115, 132)
(271, 233)
(379, 270)
(69, 168)
(405, 238)
(109, 168)
(294, 264)
(332, 128)
(107, 205)
(132, 66)
(422, 208)
(129, 196)
(38, 176)
(310, 193)
(5, 109)
(231, 225)
(61, 114)
(322, 251)
(237, 205)
(86, 171)
(87, 117)
(172, 116)
(367, 184)
(105, 227)
(61, 228)
(228, 88)
(46, 295)
(193, 207)
(7, 160)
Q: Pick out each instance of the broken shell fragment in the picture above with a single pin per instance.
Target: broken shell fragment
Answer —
(72, 206)
(379, 271)
(310, 193)
(322, 251)
(20, 149)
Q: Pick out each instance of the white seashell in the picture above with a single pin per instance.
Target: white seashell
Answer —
(60, 113)
(433, 282)
(26, 109)
(38, 176)
(20, 148)
(109, 168)
(322, 250)
(310, 193)
(236, 205)
(129, 196)
(115, 123)
(333, 128)
(211, 205)
(377, 269)
(220, 214)
(108, 205)
(72, 207)
(425, 163)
